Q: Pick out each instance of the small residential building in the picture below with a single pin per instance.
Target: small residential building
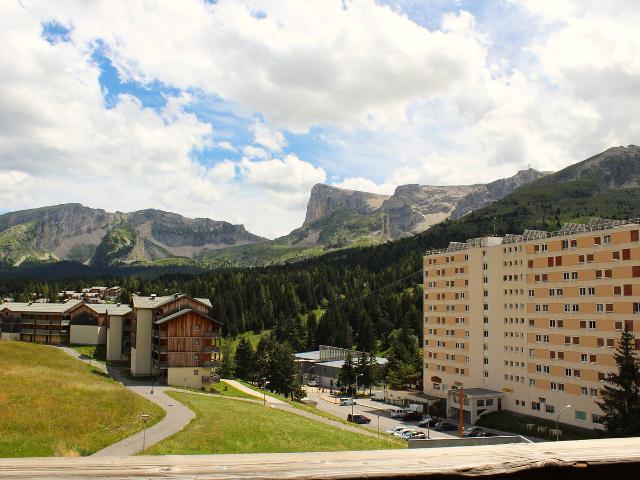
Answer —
(35, 322)
(324, 365)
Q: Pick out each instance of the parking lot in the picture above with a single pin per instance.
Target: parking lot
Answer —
(378, 412)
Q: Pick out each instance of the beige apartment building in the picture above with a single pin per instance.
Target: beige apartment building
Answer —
(529, 323)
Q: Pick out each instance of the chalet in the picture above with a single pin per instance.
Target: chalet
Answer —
(175, 338)
(47, 323)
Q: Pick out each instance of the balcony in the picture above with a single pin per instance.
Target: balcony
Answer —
(27, 331)
(158, 364)
(160, 334)
(160, 349)
(211, 334)
(210, 349)
(211, 364)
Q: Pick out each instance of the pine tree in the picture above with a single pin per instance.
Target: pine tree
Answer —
(227, 366)
(346, 376)
(245, 360)
(621, 394)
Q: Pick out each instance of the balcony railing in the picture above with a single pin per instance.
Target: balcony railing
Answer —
(160, 364)
(211, 334)
(210, 349)
(160, 334)
(210, 364)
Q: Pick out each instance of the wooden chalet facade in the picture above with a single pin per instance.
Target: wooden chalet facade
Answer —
(184, 339)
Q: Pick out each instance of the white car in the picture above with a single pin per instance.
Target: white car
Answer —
(405, 433)
(347, 401)
(397, 429)
(312, 383)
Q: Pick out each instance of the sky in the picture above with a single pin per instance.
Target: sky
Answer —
(234, 109)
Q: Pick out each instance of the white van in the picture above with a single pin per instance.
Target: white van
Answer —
(347, 401)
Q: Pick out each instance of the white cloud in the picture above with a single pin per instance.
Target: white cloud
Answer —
(303, 64)
(365, 185)
(273, 140)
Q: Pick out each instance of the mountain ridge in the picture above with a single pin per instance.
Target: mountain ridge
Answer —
(73, 231)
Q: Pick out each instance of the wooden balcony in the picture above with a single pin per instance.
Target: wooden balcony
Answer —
(211, 334)
(160, 334)
(210, 348)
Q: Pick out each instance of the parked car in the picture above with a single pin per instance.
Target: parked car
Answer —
(412, 416)
(407, 433)
(445, 427)
(417, 436)
(429, 422)
(398, 412)
(401, 432)
(347, 401)
(378, 396)
(357, 418)
(484, 434)
(396, 429)
(312, 383)
(472, 431)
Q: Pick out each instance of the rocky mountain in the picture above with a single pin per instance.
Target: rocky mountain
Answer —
(95, 236)
(338, 216)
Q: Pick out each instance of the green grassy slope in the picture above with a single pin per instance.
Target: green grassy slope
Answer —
(55, 405)
(225, 425)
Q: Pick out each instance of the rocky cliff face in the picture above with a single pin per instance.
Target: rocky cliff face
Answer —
(485, 194)
(73, 231)
(325, 199)
(351, 215)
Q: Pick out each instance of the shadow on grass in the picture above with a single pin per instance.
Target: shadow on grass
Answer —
(100, 373)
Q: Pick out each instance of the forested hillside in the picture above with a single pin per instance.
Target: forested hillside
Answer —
(282, 297)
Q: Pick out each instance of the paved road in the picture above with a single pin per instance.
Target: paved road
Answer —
(376, 411)
(176, 418)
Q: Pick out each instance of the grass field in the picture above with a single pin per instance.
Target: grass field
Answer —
(54, 405)
(97, 353)
(253, 338)
(224, 425)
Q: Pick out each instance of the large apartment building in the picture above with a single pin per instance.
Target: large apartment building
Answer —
(170, 337)
(529, 323)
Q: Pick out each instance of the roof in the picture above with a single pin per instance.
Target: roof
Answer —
(340, 363)
(40, 307)
(148, 301)
(313, 355)
(479, 392)
(182, 312)
(110, 308)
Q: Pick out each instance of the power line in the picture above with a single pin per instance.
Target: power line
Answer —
(382, 288)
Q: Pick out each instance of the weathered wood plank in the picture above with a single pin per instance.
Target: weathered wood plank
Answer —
(472, 462)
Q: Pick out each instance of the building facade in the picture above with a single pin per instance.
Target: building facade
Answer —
(171, 337)
(531, 321)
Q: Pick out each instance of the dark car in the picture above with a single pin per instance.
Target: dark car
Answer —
(412, 416)
(429, 422)
(472, 432)
(445, 427)
(357, 418)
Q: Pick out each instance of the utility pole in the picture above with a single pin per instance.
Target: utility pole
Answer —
(461, 411)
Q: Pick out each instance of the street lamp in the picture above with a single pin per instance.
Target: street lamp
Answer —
(264, 392)
(145, 419)
(353, 400)
(558, 420)
(152, 379)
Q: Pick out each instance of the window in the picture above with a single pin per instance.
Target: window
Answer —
(195, 373)
(549, 408)
(535, 406)
(592, 324)
(580, 415)
(595, 418)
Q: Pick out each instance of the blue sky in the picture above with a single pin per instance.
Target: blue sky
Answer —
(234, 109)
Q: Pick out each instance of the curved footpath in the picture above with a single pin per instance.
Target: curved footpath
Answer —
(177, 415)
